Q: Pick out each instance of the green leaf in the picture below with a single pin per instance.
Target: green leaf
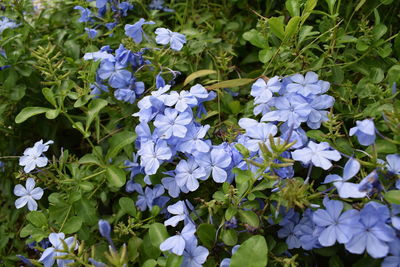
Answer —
(127, 205)
(37, 218)
(158, 233)
(86, 186)
(94, 107)
(378, 31)
(359, 5)
(230, 212)
(316, 135)
(28, 112)
(206, 233)
(291, 27)
(394, 74)
(174, 260)
(18, 92)
(28, 230)
(277, 27)
(331, 5)
(376, 75)
(266, 54)
(249, 217)
(293, 6)
(252, 253)
(116, 177)
(150, 263)
(119, 141)
(52, 114)
(72, 225)
(231, 83)
(49, 95)
(133, 245)
(229, 237)
(256, 38)
(197, 74)
(89, 159)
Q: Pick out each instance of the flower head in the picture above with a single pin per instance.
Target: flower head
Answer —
(318, 154)
(33, 156)
(165, 36)
(365, 132)
(27, 194)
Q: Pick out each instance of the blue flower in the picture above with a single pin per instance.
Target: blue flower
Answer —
(33, 156)
(188, 173)
(344, 188)
(181, 214)
(393, 164)
(117, 75)
(292, 109)
(176, 244)
(304, 85)
(317, 154)
(173, 189)
(85, 14)
(91, 32)
(148, 198)
(182, 100)
(153, 154)
(165, 36)
(365, 132)
(338, 226)
(371, 234)
(193, 140)
(318, 113)
(257, 133)
(193, 255)
(133, 166)
(28, 194)
(394, 259)
(125, 7)
(105, 231)
(135, 31)
(172, 123)
(126, 95)
(158, 5)
(50, 253)
(215, 162)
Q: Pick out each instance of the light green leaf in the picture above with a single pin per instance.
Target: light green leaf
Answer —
(116, 177)
(49, 95)
(119, 141)
(158, 233)
(252, 253)
(127, 205)
(198, 74)
(249, 217)
(331, 5)
(95, 106)
(393, 197)
(256, 38)
(52, 114)
(291, 27)
(231, 83)
(37, 218)
(293, 6)
(277, 27)
(266, 54)
(229, 237)
(89, 159)
(174, 260)
(28, 112)
(72, 225)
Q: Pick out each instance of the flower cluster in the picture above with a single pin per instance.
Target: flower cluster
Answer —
(359, 231)
(119, 9)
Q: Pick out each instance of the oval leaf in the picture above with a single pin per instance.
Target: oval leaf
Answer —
(28, 112)
(116, 177)
(158, 233)
(254, 248)
(198, 74)
(231, 83)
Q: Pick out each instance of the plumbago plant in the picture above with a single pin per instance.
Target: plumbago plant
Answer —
(140, 145)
